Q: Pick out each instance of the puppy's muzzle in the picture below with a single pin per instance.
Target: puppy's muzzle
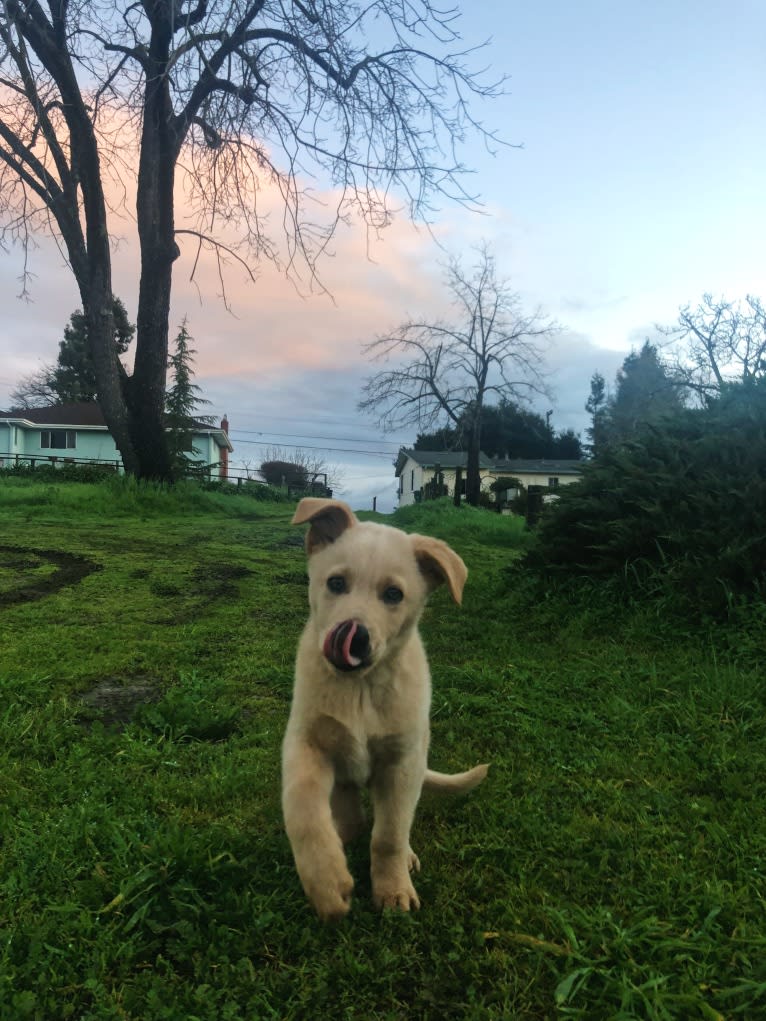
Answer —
(347, 645)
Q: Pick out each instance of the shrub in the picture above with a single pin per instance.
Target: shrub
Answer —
(64, 472)
(684, 502)
(278, 473)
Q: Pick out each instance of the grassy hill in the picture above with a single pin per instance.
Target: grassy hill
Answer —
(611, 866)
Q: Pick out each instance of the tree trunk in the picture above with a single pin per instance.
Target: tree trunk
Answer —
(98, 305)
(156, 231)
(88, 250)
(473, 470)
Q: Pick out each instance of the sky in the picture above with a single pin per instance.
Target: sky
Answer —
(633, 185)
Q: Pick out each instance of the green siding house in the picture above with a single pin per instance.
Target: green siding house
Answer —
(78, 433)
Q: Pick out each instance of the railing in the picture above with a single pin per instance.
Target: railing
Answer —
(8, 460)
(316, 486)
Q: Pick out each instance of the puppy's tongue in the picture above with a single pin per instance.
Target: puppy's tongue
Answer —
(337, 645)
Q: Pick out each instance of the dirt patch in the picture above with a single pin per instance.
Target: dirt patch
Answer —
(114, 700)
(32, 569)
(218, 580)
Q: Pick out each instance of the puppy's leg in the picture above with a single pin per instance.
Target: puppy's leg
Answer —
(395, 791)
(307, 784)
(347, 811)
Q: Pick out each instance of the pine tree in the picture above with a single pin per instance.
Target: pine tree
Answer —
(596, 407)
(181, 402)
(73, 378)
(645, 391)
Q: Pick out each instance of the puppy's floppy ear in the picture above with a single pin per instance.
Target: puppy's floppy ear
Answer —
(438, 563)
(328, 518)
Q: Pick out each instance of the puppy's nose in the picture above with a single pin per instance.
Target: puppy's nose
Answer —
(360, 643)
(347, 645)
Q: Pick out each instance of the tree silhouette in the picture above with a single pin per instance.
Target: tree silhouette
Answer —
(449, 369)
(224, 98)
(719, 342)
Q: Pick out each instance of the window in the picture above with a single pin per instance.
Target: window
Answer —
(58, 439)
(552, 483)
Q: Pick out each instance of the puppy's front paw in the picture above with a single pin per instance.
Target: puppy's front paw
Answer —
(329, 891)
(334, 901)
(400, 896)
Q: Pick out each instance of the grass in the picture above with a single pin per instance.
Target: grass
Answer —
(610, 868)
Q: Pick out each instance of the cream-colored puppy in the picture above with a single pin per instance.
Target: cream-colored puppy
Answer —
(361, 704)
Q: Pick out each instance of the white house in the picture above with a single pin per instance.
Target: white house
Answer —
(548, 473)
(419, 471)
(423, 474)
(77, 433)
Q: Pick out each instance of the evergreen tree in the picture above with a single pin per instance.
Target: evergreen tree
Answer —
(181, 402)
(567, 445)
(73, 378)
(645, 391)
(678, 507)
(507, 430)
(596, 406)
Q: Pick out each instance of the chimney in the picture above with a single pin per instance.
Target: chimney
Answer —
(225, 424)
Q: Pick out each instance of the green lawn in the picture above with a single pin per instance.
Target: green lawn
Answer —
(612, 866)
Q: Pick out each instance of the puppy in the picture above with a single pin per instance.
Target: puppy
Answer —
(360, 710)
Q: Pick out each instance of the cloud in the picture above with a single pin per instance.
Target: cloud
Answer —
(284, 360)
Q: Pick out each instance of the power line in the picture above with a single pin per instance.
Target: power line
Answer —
(338, 439)
(332, 450)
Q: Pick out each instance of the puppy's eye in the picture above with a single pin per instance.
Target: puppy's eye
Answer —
(337, 584)
(393, 595)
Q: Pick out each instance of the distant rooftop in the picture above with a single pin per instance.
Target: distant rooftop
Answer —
(459, 459)
(78, 413)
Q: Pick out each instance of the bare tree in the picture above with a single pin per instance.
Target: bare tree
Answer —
(446, 370)
(229, 97)
(718, 342)
(35, 391)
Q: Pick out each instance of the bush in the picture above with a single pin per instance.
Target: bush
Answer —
(64, 472)
(279, 473)
(250, 488)
(683, 504)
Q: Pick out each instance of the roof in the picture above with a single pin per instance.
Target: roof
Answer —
(515, 465)
(78, 413)
(545, 466)
(88, 414)
(442, 458)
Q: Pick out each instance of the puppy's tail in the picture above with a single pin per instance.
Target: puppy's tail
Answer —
(454, 783)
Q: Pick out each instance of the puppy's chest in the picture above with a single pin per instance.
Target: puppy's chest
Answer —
(356, 757)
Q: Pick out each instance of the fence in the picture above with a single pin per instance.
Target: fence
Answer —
(316, 486)
(8, 460)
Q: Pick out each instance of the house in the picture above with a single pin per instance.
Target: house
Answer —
(77, 433)
(547, 473)
(424, 474)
